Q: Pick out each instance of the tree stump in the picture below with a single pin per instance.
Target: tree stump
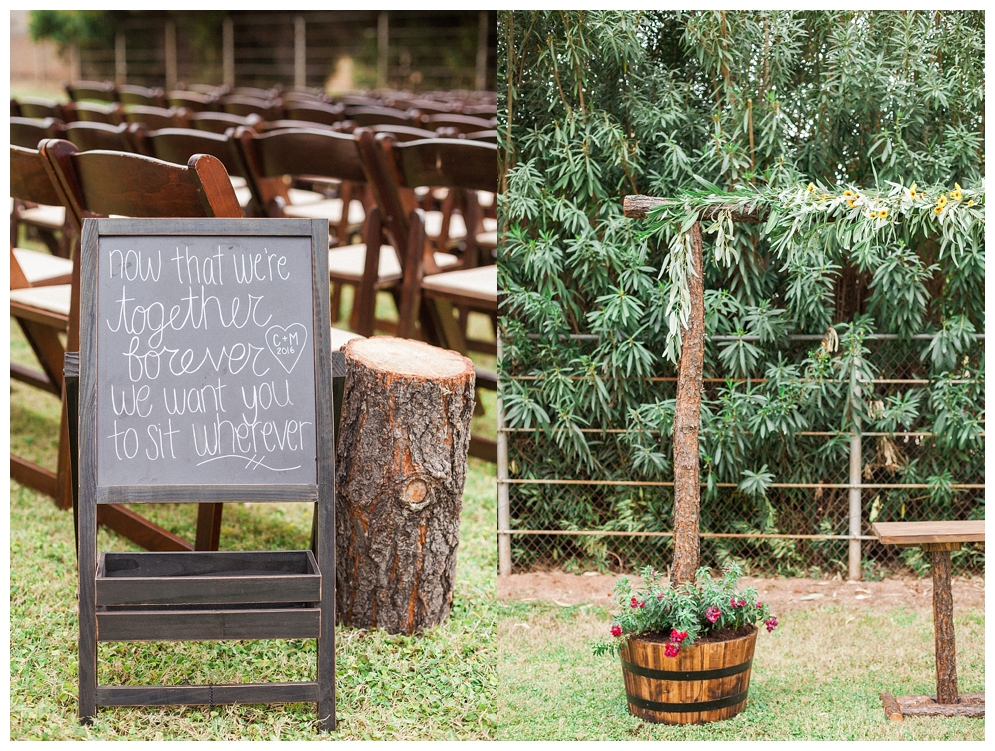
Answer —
(402, 454)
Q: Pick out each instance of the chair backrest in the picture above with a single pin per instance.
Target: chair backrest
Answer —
(28, 131)
(383, 116)
(40, 107)
(313, 111)
(304, 94)
(235, 104)
(98, 91)
(265, 126)
(100, 183)
(93, 136)
(177, 145)
(355, 100)
(94, 112)
(254, 91)
(299, 153)
(489, 136)
(194, 101)
(29, 180)
(157, 117)
(429, 106)
(148, 97)
(463, 123)
(220, 122)
(404, 133)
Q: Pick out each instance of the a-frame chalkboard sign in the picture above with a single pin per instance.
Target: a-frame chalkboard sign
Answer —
(205, 376)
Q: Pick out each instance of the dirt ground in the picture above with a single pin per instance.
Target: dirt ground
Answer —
(782, 594)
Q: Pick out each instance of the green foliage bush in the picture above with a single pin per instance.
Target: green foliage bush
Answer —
(850, 135)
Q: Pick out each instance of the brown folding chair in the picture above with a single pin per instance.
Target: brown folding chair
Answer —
(313, 111)
(438, 298)
(323, 155)
(99, 136)
(363, 116)
(220, 122)
(95, 184)
(141, 95)
(192, 101)
(40, 107)
(94, 112)
(156, 117)
(28, 131)
(177, 145)
(46, 222)
(396, 169)
(267, 109)
(42, 313)
(462, 123)
(96, 91)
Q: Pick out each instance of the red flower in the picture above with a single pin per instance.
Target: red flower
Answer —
(642, 604)
(616, 630)
(678, 636)
(733, 602)
(671, 650)
(760, 604)
(742, 602)
(771, 623)
(634, 603)
(712, 613)
(659, 595)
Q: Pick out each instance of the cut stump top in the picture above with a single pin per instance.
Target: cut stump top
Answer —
(924, 533)
(408, 357)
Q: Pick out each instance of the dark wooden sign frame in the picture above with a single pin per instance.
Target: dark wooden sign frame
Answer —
(207, 595)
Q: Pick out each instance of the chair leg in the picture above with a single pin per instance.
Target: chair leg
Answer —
(208, 526)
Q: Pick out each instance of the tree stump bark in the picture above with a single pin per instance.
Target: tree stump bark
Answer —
(402, 455)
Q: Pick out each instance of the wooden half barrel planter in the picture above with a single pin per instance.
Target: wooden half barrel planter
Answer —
(705, 682)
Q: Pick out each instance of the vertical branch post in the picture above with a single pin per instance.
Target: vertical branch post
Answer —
(687, 420)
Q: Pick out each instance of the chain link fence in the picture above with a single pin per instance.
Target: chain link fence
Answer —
(808, 523)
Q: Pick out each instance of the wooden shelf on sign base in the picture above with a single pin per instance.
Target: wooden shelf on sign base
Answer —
(898, 708)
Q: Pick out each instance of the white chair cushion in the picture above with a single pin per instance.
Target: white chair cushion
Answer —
(330, 209)
(39, 267)
(348, 261)
(54, 299)
(479, 284)
(300, 197)
(487, 239)
(340, 337)
(50, 217)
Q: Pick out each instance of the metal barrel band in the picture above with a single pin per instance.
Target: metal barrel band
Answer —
(687, 675)
(684, 707)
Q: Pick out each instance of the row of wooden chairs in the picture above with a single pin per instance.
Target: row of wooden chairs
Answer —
(117, 183)
(469, 103)
(187, 108)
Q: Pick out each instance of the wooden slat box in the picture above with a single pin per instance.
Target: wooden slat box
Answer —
(202, 595)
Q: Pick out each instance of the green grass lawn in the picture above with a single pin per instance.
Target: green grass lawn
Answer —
(439, 685)
(818, 676)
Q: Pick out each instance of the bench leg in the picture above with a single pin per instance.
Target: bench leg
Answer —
(943, 624)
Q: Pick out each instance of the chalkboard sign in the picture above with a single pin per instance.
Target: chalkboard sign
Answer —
(204, 345)
(205, 376)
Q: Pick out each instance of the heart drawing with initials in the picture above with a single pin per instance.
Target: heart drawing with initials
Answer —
(286, 344)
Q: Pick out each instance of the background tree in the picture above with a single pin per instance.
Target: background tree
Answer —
(857, 110)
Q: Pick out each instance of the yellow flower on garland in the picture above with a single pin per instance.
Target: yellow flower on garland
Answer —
(810, 188)
(912, 190)
(956, 193)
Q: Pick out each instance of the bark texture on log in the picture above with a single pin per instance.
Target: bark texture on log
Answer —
(402, 454)
(687, 419)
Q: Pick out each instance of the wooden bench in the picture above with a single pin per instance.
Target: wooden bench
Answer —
(937, 539)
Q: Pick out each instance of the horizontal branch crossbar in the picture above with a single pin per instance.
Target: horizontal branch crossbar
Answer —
(638, 207)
